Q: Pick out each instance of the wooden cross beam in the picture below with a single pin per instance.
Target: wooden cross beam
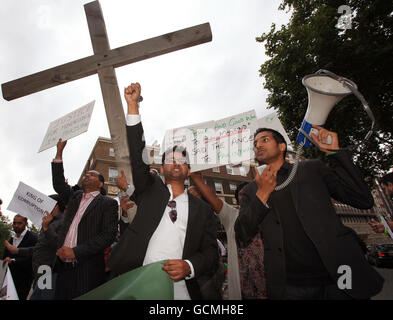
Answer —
(103, 62)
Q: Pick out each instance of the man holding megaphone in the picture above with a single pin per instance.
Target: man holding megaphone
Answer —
(309, 254)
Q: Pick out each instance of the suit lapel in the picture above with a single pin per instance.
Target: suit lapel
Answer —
(191, 224)
(293, 186)
(92, 205)
(24, 240)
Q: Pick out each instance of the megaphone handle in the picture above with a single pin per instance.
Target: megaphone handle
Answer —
(314, 143)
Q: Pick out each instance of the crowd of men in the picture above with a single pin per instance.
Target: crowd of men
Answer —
(282, 243)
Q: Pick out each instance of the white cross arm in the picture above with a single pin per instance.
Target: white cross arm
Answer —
(118, 57)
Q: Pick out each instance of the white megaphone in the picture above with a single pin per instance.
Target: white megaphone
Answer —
(324, 92)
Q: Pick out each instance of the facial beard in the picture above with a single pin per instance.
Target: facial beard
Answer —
(175, 175)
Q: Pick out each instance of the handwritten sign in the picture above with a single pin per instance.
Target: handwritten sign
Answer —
(31, 203)
(67, 127)
(197, 139)
(234, 138)
(215, 143)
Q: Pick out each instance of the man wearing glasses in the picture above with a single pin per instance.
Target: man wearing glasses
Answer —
(170, 224)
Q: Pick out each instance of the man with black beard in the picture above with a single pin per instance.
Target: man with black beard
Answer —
(309, 253)
(89, 227)
(170, 224)
(21, 267)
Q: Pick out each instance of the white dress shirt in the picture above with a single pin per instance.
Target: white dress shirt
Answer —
(17, 240)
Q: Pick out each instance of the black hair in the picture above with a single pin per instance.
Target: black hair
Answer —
(19, 215)
(278, 137)
(60, 202)
(179, 149)
(387, 178)
(102, 179)
(238, 189)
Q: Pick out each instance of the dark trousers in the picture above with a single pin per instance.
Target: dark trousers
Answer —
(74, 280)
(323, 292)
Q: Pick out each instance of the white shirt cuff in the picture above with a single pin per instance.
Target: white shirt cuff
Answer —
(57, 161)
(133, 119)
(192, 274)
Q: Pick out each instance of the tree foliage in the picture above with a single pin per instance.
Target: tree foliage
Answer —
(364, 54)
(5, 232)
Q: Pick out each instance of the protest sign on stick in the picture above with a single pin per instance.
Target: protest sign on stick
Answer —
(68, 126)
(31, 204)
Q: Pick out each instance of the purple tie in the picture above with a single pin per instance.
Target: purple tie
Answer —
(173, 212)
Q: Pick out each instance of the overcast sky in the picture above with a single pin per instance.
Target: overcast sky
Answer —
(207, 82)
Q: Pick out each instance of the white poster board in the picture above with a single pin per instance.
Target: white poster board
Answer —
(235, 136)
(68, 126)
(31, 204)
(197, 139)
(215, 143)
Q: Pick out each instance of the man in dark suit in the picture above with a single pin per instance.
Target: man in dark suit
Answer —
(309, 254)
(169, 223)
(90, 226)
(21, 267)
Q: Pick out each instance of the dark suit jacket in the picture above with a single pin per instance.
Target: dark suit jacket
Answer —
(96, 231)
(311, 191)
(21, 268)
(152, 196)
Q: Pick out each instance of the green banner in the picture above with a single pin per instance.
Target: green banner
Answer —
(149, 282)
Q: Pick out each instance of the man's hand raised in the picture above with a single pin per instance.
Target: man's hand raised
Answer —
(60, 147)
(132, 93)
(326, 140)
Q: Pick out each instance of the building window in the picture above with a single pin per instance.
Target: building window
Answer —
(218, 187)
(229, 169)
(232, 187)
(216, 169)
(111, 152)
(243, 171)
(113, 174)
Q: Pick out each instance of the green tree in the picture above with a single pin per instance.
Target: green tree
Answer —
(5, 232)
(364, 54)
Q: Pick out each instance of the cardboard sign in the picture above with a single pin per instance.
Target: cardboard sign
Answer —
(67, 127)
(197, 139)
(31, 204)
(235, 136)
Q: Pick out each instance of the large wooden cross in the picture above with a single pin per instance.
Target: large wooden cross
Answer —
(104, 61)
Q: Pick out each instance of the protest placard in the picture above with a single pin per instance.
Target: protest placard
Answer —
(197, 139)
(31, 204)
(234, 138)
(215, 143)
(68, 126)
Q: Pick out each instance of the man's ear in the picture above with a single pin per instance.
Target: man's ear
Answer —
(282, 146)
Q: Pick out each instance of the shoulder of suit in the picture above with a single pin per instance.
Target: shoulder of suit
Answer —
(199, 202)
(32, 234)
